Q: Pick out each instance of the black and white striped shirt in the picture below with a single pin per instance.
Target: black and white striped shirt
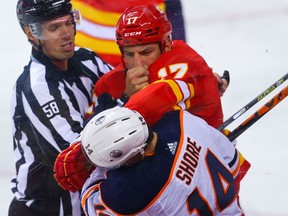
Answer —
(48, 108)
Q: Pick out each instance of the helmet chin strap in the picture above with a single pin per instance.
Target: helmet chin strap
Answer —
(122, 59)
(40, 49)
(41, 54)
(161, 46)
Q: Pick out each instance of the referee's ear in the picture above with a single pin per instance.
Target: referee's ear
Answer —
(31, 38)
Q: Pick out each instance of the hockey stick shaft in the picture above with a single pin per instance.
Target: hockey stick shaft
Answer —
(253, 102)
(258, 114)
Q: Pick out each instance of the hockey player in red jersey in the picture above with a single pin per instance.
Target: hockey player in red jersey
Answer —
(99, 19)
(179, 77)
(179, 166)
(157, 75)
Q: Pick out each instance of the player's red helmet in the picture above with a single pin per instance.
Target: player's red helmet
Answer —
(141, 25)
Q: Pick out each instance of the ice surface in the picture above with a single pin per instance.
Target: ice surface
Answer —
(248, 38)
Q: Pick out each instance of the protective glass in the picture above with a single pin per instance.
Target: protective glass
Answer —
(57, 28)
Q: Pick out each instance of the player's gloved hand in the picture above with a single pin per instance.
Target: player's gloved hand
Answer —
(105, 101)
(223, 81)
(71, 168)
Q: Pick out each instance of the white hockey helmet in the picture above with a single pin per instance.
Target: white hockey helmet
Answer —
(114, 136)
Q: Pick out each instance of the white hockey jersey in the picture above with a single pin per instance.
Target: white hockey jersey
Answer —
(192, 172)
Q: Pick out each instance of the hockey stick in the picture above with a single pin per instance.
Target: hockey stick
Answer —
(258, 114)
(253, 102)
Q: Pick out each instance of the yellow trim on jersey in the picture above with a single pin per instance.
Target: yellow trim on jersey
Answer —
(192, 92)
(241, 158)
(108, 18)
(98, 45)
(95, 15)
(176, 88)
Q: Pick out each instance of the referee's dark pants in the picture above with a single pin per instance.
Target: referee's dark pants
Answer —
(18, 208)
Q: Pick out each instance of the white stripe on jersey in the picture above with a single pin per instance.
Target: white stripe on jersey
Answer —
(186, 93)
(79, 97)
(104, 32)
(23, 170)
(38, 80)
(48, 109)
(38, 124)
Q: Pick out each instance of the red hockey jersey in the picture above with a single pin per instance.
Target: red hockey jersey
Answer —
(179, 79)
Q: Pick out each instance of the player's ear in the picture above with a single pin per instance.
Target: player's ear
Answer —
(167, 44)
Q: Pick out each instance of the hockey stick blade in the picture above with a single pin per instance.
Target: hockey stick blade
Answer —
(253, 102)
(258, 114)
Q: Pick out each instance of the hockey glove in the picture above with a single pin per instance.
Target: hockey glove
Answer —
(105, 101)
(71, 168)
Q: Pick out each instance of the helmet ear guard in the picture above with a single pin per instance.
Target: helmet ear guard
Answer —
(114, 136)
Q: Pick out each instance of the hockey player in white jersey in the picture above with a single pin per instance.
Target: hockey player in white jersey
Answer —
(183, 167)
